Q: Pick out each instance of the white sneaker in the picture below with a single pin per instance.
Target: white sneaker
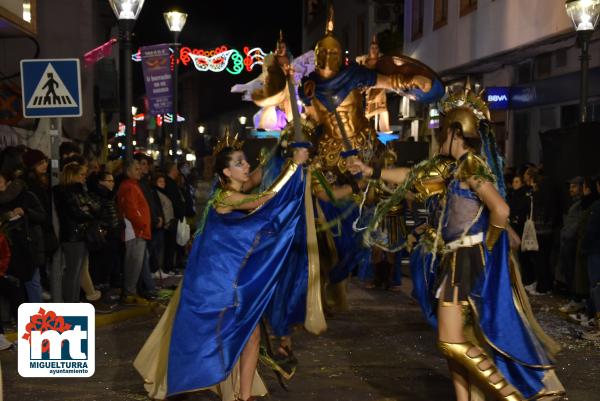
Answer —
(531, 287)
(46, 296)
(592, 336)
(571, 307)
(4, 343)
(578, 317)
(589, 323)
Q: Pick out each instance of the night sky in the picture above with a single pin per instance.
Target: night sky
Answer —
(214, 23)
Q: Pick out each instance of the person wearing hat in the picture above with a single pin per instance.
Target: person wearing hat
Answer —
(504, 355)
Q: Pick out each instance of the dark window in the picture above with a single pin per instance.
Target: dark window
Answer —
(524, 73)
(593, 112)
(561, 58)
(467, 6)
(440, 13)
(418, 11)
(569, 115)
(543, 65)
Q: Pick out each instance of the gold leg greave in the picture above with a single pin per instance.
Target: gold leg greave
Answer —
(459, 353)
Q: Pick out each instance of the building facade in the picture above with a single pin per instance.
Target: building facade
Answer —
(524, 50)
(50, 37)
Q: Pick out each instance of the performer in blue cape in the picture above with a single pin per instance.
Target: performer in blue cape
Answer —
(486, 328)
(208, 338)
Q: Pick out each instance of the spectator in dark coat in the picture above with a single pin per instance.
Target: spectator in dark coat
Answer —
(590, 247)
(37, 180)
(106, 261)
(177, 199)
(76, 211)
(21, 216)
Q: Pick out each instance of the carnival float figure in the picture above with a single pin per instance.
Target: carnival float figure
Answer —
(267, 90)
(375, 98)
(486, 328)
(208, 337)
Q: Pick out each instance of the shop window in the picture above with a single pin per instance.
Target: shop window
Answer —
(440, 13)
(418, 13)
(467, 6)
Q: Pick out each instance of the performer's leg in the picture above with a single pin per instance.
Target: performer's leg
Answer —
(248, 361)
(285, 345)
(465, 358)
(450, 330)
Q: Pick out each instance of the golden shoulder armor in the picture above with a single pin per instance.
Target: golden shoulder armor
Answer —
(473, 166)
(430, 177)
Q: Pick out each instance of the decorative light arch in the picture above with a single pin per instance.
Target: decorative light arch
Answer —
(219, 59)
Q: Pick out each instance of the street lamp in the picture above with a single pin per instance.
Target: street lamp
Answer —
(175, 21)
(201, 129)
(126, 12)
(242, 120)
(584, 14)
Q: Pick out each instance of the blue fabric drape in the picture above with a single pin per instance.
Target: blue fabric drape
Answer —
(518, 353)
(348, 243)
(232, 273)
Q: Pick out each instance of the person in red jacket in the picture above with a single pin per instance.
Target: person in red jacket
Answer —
(135, 211)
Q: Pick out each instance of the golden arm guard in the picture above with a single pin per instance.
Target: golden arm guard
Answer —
(492, 235)
(430, 177)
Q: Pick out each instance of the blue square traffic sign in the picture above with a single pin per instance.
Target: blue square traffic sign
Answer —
(51, 88)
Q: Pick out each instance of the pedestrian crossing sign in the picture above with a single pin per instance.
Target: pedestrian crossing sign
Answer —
(51, 88)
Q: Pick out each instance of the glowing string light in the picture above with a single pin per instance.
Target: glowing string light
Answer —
(254, 57)
(216, 60)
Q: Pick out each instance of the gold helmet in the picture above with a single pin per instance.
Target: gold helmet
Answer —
(466, 107)
(328, 52)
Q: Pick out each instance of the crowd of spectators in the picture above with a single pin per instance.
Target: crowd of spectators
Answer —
(567, 258)
(103, 234)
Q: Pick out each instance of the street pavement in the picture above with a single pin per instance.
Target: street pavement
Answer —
(380, 350)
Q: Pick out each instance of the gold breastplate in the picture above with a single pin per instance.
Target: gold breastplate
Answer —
(361, 135)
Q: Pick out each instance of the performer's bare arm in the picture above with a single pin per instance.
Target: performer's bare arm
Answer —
(254, 180)
(398, 82)
(338, 192)
(491, 198)
(394, 175)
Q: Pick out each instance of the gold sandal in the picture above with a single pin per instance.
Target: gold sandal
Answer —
(458, 352)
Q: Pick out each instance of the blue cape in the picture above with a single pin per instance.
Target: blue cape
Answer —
(232, 273)
(352, 77)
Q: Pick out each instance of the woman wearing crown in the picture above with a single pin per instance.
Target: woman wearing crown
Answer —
(486, 330)
(208, 337)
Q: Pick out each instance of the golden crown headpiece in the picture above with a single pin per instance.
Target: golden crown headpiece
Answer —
(227, 141)
(465, 106)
